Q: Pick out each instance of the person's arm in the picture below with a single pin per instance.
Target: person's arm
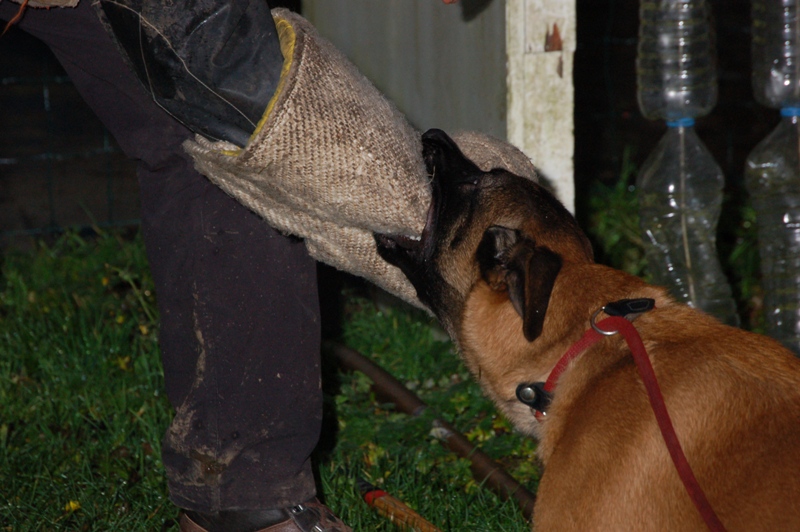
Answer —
(216, 77)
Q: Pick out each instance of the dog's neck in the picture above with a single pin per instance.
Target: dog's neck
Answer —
(574, 302)
(497, 353)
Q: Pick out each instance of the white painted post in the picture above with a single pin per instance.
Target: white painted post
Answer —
(540, 44)
(492, 73)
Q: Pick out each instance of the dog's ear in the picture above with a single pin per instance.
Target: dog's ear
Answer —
(509, 261)
(532, 274)
(492, 255)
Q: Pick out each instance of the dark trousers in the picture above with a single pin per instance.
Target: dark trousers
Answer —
(240, 332)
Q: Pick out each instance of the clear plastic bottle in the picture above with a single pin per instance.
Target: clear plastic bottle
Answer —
(680, 184)
(775, 53)
(772, 170)
(676, 70)
(680, 199)
(772, 177)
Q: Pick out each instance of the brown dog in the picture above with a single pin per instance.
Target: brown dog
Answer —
(510, 275)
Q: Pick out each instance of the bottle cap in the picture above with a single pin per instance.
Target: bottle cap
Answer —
(681, 122)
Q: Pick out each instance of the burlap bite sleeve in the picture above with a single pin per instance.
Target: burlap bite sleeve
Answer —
(333, 161)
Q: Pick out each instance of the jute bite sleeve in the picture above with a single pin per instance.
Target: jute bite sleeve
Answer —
(332, 160)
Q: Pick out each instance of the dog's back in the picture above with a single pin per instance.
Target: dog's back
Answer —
(734, 399)
(505, 268)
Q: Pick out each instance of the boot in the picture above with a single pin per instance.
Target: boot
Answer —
(312, 516)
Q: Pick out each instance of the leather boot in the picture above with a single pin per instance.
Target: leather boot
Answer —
(312, 516)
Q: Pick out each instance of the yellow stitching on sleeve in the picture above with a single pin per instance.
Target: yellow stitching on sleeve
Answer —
(287, 38)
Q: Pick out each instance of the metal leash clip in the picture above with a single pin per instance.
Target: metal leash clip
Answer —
(534, 395)
(629, 309)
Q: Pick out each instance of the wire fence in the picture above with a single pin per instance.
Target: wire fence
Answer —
(59, 167)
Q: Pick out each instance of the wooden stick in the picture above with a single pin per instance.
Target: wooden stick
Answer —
(394, 509)
(484, 469)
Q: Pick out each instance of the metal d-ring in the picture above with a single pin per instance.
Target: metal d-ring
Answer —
(598, 329)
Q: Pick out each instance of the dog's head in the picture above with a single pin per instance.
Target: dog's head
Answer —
(495, 227)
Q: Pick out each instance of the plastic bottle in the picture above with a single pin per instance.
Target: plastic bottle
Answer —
(772, 170)
(772, 177)
(775, 53)
(680, 184)
(680, 199)
(676, 60)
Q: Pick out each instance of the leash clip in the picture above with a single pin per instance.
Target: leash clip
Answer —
(535, 396)
(630, 309)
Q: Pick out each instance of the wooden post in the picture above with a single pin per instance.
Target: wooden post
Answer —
(540, 44)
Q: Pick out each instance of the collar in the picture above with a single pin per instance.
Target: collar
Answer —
(621, 314)
(538, 395)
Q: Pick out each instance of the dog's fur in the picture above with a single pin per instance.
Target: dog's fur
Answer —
(507, 271)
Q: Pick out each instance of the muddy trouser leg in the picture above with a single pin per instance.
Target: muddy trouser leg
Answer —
(238, 301)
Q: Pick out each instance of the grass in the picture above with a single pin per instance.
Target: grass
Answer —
(83, 410)
(612, 220)
(81, 390)
(396, 451)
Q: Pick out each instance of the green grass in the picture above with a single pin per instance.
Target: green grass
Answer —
(613, 220)
(81, 390)
(396, 451)
(82, 410)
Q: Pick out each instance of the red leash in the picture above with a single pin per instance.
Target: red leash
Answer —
(616, 324)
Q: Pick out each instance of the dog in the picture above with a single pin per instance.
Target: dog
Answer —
(510, 275)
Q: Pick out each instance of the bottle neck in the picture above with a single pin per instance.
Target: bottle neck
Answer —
(683, 122)
(790, 114)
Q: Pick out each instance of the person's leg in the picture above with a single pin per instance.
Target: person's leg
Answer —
(238, 302)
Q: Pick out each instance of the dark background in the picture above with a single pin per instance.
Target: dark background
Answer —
(58, 166)
(607, 118)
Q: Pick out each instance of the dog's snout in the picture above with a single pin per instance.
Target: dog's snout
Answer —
(445, 161)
